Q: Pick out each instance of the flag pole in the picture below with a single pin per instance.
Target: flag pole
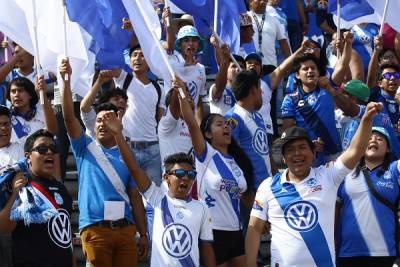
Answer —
(215, 15)
(37, 59)
(383, 17)
(338, 28)
(220, 42)
(65, 33)
(168, 19)
(5, 49)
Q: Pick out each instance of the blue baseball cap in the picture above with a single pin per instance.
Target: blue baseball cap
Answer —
(188, 31)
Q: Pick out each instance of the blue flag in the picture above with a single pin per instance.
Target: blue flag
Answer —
(228, 18)
(102, 19)
(350, 9)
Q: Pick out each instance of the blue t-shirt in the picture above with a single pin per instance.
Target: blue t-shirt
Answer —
(390, 105)
(367, 227)
(248, 130)
(291, 82)
(314, 111)
(94, 186)
(364, 42)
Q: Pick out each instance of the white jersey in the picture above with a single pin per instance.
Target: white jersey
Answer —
(220, 183)
(10, 154)
(174, 136)
(301, 216)
(142, 106)
(265, 110)
(193, 75)
(177, 228)
(222, 104)
(23, 128)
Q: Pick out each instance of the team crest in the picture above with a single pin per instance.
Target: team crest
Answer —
(392, 108)
(232, 122)
(387, 175)
(58, 199)
(311, 100)
(312, 182)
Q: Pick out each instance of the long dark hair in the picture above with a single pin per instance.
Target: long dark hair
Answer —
(234, 150)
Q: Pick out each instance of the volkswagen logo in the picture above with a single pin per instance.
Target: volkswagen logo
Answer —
(301, 216)
(177, 240)
(193, 89)
(260, 141)
(59, 228)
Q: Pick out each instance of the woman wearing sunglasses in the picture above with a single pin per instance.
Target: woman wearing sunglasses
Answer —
(369, 201)
(224, 171)
(41, 236)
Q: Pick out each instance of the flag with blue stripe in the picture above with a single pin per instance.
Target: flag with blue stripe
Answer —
(228, 18)
(350, 9)
(102, 19)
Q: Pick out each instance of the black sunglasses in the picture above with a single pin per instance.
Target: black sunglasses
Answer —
(43, 149)
(180, 173)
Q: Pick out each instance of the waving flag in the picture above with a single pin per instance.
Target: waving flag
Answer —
(353, 12)
(16, 21)
(102, 19)
(392, 16)
(148, 31)
(228, 18)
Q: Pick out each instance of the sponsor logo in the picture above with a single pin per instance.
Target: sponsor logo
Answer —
(177, 240)
(301, 216)
(260, 141)
(231, 187)
(257, 205)
(59, 229)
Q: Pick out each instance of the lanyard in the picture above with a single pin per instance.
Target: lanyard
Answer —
(260, 27)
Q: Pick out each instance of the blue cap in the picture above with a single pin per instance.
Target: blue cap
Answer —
(187, 31)
(254, 55)
(383, 132)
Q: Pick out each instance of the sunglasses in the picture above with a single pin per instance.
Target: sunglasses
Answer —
(389, 75)
(180, 173)
(42, 149)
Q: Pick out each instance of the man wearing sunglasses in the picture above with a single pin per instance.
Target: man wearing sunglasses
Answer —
(47, 240)
(386, 92)
(179, 221)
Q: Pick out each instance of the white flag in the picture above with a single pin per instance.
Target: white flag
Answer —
(392, 16)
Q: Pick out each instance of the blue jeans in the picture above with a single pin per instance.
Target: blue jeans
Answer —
(149, 159)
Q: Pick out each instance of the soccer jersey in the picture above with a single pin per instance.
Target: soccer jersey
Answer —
(314, 111)
(174, 136)
(301, 216)
(11, 153)
(291, 83)
(178, 227)
(220, 183)
(95, 186)
(364, 42)
(23, 128)
(222, 104)
(248, 129)
(367, 227)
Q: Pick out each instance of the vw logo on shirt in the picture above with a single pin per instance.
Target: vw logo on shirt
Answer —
(177, 240)
(192, 89)
(301, 216)
(59, 228)
(260, 141)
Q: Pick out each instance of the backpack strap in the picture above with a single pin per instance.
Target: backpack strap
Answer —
(158, 89)
(127, 81)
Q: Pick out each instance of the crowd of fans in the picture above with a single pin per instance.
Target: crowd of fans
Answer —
(163, 178)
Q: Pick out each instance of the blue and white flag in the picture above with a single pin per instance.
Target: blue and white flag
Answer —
(392, 16)
(228, 18)
(353, 12)
(102, 19)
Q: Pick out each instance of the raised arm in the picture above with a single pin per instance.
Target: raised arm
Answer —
(170, 35)
(352, 155)
(49, 116)
(373, 63)
(140, 219)
(277, 75)
(10, 65)
(187, 114)
(342, 65)
(221, 77)
(104, 76)
(74, 128)
(6, 225)
(114, 125)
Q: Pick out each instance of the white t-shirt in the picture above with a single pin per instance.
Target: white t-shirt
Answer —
(301, 215)
(193, 75)
(220, 183)
(140, 118)
(222, 104)
(265, 110)
(25, 128)
(173, 135)
(271, 31)
(177, 228)
(11, 153)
